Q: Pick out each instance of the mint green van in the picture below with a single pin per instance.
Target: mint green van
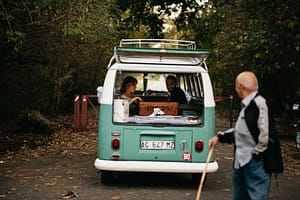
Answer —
(155, 134)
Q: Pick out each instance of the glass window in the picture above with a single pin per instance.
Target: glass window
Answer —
(150, 83)
(151, 87)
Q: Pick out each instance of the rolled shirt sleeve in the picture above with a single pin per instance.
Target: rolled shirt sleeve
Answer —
(263, 125)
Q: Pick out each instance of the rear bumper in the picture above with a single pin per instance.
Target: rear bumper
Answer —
(150, 166)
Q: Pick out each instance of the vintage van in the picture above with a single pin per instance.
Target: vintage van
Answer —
(156, 135)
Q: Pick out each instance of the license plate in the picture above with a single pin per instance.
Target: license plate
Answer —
(157, 145)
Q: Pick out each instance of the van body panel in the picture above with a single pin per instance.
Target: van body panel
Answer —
(131, 136)
(104, 132)
(204, 133)
(180, 140)
(108, 88)
(208, 93)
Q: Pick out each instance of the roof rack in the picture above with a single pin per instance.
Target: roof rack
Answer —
(146, 52)
(159, 51)
(158, 43)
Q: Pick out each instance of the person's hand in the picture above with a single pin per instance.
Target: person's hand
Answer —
(213, 142)
(257, 155)
(139, 99)
(135, 100)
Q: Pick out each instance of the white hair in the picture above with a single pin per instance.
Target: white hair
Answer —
(248, 80)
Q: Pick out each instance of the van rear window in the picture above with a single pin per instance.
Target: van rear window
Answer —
(158, 98)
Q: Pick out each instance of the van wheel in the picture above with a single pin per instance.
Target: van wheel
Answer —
(107, 177)
(196, 178)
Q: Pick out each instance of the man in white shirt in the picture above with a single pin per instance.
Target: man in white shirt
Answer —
(250, 180)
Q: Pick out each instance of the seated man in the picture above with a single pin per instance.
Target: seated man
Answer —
(176, 93)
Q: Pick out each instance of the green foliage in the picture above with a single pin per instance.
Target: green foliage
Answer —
(25, 86)
(140, 19)
(261, 36)
(52, 50)
(34, 122)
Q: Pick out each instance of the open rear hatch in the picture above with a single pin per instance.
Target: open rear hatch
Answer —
(160, 56)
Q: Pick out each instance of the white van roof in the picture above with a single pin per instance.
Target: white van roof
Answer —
(159, 52)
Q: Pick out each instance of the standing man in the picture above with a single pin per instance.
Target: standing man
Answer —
(250, 181)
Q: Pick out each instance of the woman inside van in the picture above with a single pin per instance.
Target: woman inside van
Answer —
(128, 88)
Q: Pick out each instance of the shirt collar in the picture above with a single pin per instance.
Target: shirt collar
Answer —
(246, 101)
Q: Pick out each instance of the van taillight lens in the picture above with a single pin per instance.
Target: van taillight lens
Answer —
(199, 145)
(115, 143)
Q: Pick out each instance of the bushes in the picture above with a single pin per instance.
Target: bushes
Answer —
(51, 50)
(33, 121)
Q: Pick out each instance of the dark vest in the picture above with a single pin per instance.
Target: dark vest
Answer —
(251, 117)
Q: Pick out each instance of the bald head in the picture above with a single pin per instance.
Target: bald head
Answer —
(246, 83)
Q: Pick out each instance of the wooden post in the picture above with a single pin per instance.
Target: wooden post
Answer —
(84, 112)
(76, 112)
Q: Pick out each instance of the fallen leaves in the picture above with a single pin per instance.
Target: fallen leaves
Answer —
(228, 158)
(60, 155)
(226, 190)
(69, 195)
(188, 194)
(51, 184)
(115, 198)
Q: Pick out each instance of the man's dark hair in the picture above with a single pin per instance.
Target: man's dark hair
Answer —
(172, 78)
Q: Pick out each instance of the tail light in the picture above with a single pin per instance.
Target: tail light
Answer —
(199, 145)
(115, 156)
(115, 143)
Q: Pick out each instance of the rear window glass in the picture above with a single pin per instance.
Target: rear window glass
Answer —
(150, 93)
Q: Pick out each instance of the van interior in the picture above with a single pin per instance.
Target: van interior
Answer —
(151, 87)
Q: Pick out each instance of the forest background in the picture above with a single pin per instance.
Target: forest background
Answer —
(51, 50)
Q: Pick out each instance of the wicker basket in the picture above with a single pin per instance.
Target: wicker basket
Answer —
(169, 108)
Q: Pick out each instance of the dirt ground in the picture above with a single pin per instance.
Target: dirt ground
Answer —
(68, 149)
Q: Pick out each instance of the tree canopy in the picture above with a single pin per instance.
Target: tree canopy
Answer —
(261, 36)
(51, 50)
(54, 49)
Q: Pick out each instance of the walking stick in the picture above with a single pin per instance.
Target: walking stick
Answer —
(204, 174)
